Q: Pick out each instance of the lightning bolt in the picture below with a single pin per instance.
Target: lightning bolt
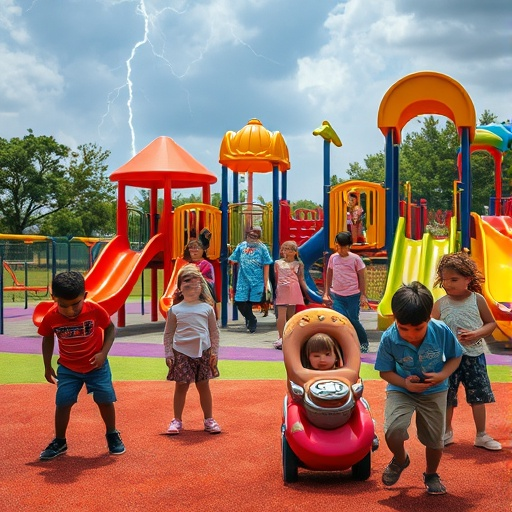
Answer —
(141, 9)
(150, 19)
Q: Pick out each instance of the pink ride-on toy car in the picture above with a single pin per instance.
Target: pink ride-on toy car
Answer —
(327, 425)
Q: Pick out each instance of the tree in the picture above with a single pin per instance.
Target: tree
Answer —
(374, 170)
(305, 204)
(40, 177)
(428, 160)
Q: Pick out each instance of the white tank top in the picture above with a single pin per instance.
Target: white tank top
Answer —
(465, 314)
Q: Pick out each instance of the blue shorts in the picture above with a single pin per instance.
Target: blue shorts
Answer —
(472, 373)
(98, 382)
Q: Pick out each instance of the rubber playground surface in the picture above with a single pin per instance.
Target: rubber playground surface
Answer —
(239, 469)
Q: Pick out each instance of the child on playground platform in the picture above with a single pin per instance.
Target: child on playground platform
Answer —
(416, 356)
(290, 286)
(85, 335)
(355, 215)
(345, 285)
(467, 314)
(191, 340)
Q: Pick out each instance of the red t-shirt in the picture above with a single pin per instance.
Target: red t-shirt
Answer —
(79, 338)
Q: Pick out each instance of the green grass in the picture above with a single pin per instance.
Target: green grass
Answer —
(28, 368)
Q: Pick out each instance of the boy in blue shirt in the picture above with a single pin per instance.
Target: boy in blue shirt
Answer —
(416, 356)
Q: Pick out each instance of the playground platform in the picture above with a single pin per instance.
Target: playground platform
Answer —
(143, 338)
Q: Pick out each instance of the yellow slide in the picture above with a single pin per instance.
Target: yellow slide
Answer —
(413, 260)
(492, 250)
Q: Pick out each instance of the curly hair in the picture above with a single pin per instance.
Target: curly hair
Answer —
(461, 263)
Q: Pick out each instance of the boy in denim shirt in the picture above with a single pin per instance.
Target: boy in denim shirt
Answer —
(416, 356)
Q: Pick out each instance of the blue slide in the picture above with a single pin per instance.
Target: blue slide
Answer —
(310, 252)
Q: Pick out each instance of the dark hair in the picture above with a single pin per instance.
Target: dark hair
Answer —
(461, 263)
(412, 304)
(343, 238)
(68, 285)
(186, 252)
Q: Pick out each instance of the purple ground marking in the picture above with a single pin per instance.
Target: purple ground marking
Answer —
(33, 346)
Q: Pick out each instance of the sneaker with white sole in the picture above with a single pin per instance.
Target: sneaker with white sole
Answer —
(278, 344)
(211, 426)
(486, 441)
(175, 427)
(448, 437)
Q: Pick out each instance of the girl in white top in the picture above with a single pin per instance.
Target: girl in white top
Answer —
(290, 286)
(191, 340)
(467, 314)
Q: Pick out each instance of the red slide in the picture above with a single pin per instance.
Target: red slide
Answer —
(166, 298)
(114, 274)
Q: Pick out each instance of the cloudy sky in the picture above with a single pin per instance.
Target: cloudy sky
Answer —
(121, 73)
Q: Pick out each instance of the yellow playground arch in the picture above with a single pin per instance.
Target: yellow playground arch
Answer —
(425, 92)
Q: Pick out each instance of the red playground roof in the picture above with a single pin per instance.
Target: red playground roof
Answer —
(159, 161)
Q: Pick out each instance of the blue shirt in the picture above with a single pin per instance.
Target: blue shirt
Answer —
(251, 258)
(399, 356)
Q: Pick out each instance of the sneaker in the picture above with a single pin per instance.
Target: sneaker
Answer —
(175, 427)
(115, 445)
(448, 437)
(278, 344)
(54, 449)
(393, 471)
(211, 426)
(365, 348)
(486, 441)
(433, 484)
(375, 443)
(253, 322)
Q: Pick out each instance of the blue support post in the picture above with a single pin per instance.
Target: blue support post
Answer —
(465, 198)
(327, 201)
(391, 221)
(275, 213)
(284, 185)
(236, 199)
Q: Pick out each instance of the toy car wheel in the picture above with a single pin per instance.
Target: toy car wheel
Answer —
(362, 469)
(290, 462)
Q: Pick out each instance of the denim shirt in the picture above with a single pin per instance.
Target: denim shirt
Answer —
(399, 356)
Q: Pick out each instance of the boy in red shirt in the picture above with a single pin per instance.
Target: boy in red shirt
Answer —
(85, 334)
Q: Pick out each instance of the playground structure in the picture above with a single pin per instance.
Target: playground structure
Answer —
(394, 228)
(486, 238)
